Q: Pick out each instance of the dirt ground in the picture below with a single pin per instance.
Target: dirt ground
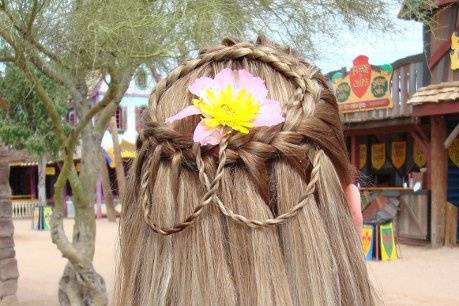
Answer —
(420, 277)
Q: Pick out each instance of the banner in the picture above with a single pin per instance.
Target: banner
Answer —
(367, 241)
(419, 157)
(398, 153)
(365, 87)
(378, 155)
(50, 171)
(388, 249)
(453, 152)
(362, 155)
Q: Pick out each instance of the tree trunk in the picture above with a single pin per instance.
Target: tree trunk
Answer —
(120, 176)
(8, 266)
(42, 180)
(108, 195)
(83, 285)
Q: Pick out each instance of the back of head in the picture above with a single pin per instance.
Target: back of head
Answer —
(258, 219)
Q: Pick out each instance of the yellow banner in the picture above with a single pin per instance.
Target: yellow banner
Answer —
(362, 155)
(50, 171)
(387, 242)
(419, 157)
(453, 152)
(378, 155)
(398, 153)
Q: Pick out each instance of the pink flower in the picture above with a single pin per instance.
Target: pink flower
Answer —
(233, 99)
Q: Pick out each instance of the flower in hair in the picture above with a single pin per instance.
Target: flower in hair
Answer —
(234, 99)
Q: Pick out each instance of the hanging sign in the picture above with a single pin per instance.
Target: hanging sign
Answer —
(454, 53)
(362, 155)
(386, 234)
(419, 156)
(453, 152)
(378, 155)
(398, 153)
(367, 241)
(50, 171)
(365, 87)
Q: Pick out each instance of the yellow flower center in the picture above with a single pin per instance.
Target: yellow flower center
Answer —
(226, 108)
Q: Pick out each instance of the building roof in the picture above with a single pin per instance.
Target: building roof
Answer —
(413, 9)
(443, 92)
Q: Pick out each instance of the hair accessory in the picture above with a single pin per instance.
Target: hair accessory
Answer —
(233, 100)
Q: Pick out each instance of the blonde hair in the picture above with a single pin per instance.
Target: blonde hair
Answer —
(258, 220)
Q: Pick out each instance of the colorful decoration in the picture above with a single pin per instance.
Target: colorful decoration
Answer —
(419, 156)
(398, 153)
(141, 78)
(387, 242)
(454, 53)
(41, 217)
(364, 87)
(378, 155)
(453, 152)
(50, 171)
(362, 155)
(234, 100)
(368, 241)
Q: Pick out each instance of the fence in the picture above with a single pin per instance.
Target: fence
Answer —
(23, 209)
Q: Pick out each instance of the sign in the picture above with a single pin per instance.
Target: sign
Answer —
(387, 243)
(78, 166)
(378, 155)
(454, 53)
(367, 241)
(419, 155)
(398, 153)
(362, 155)
(453, 152)
(50, 171)
(41, 217)
(365, 87)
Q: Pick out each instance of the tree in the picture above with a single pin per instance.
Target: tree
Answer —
(70, 41)
(25, 124)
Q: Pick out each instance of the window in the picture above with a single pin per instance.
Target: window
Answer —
(120, 116)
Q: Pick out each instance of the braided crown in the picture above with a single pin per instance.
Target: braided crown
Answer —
(311, 117)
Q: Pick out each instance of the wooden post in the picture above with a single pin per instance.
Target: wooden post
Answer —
(439, 171)
(354, 151)
(451, 225)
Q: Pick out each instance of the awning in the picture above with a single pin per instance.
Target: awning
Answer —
(437, 93)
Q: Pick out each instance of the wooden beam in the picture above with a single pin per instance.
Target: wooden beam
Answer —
(432, 109)
(439, 172)
(449, 140)
(451, 225)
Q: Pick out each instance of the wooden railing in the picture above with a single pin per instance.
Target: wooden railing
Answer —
(23, 209)
(407, 77)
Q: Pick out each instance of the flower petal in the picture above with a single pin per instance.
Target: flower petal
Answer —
(199, 85)
(253, 84)
(205, 135)
(270, 114)
(224, 78)
(186, 112)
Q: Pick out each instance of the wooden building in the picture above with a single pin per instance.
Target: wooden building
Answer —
(402, 125)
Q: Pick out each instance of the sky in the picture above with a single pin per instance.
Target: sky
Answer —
(381, 47)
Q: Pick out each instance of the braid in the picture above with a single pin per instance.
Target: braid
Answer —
(306, 116)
